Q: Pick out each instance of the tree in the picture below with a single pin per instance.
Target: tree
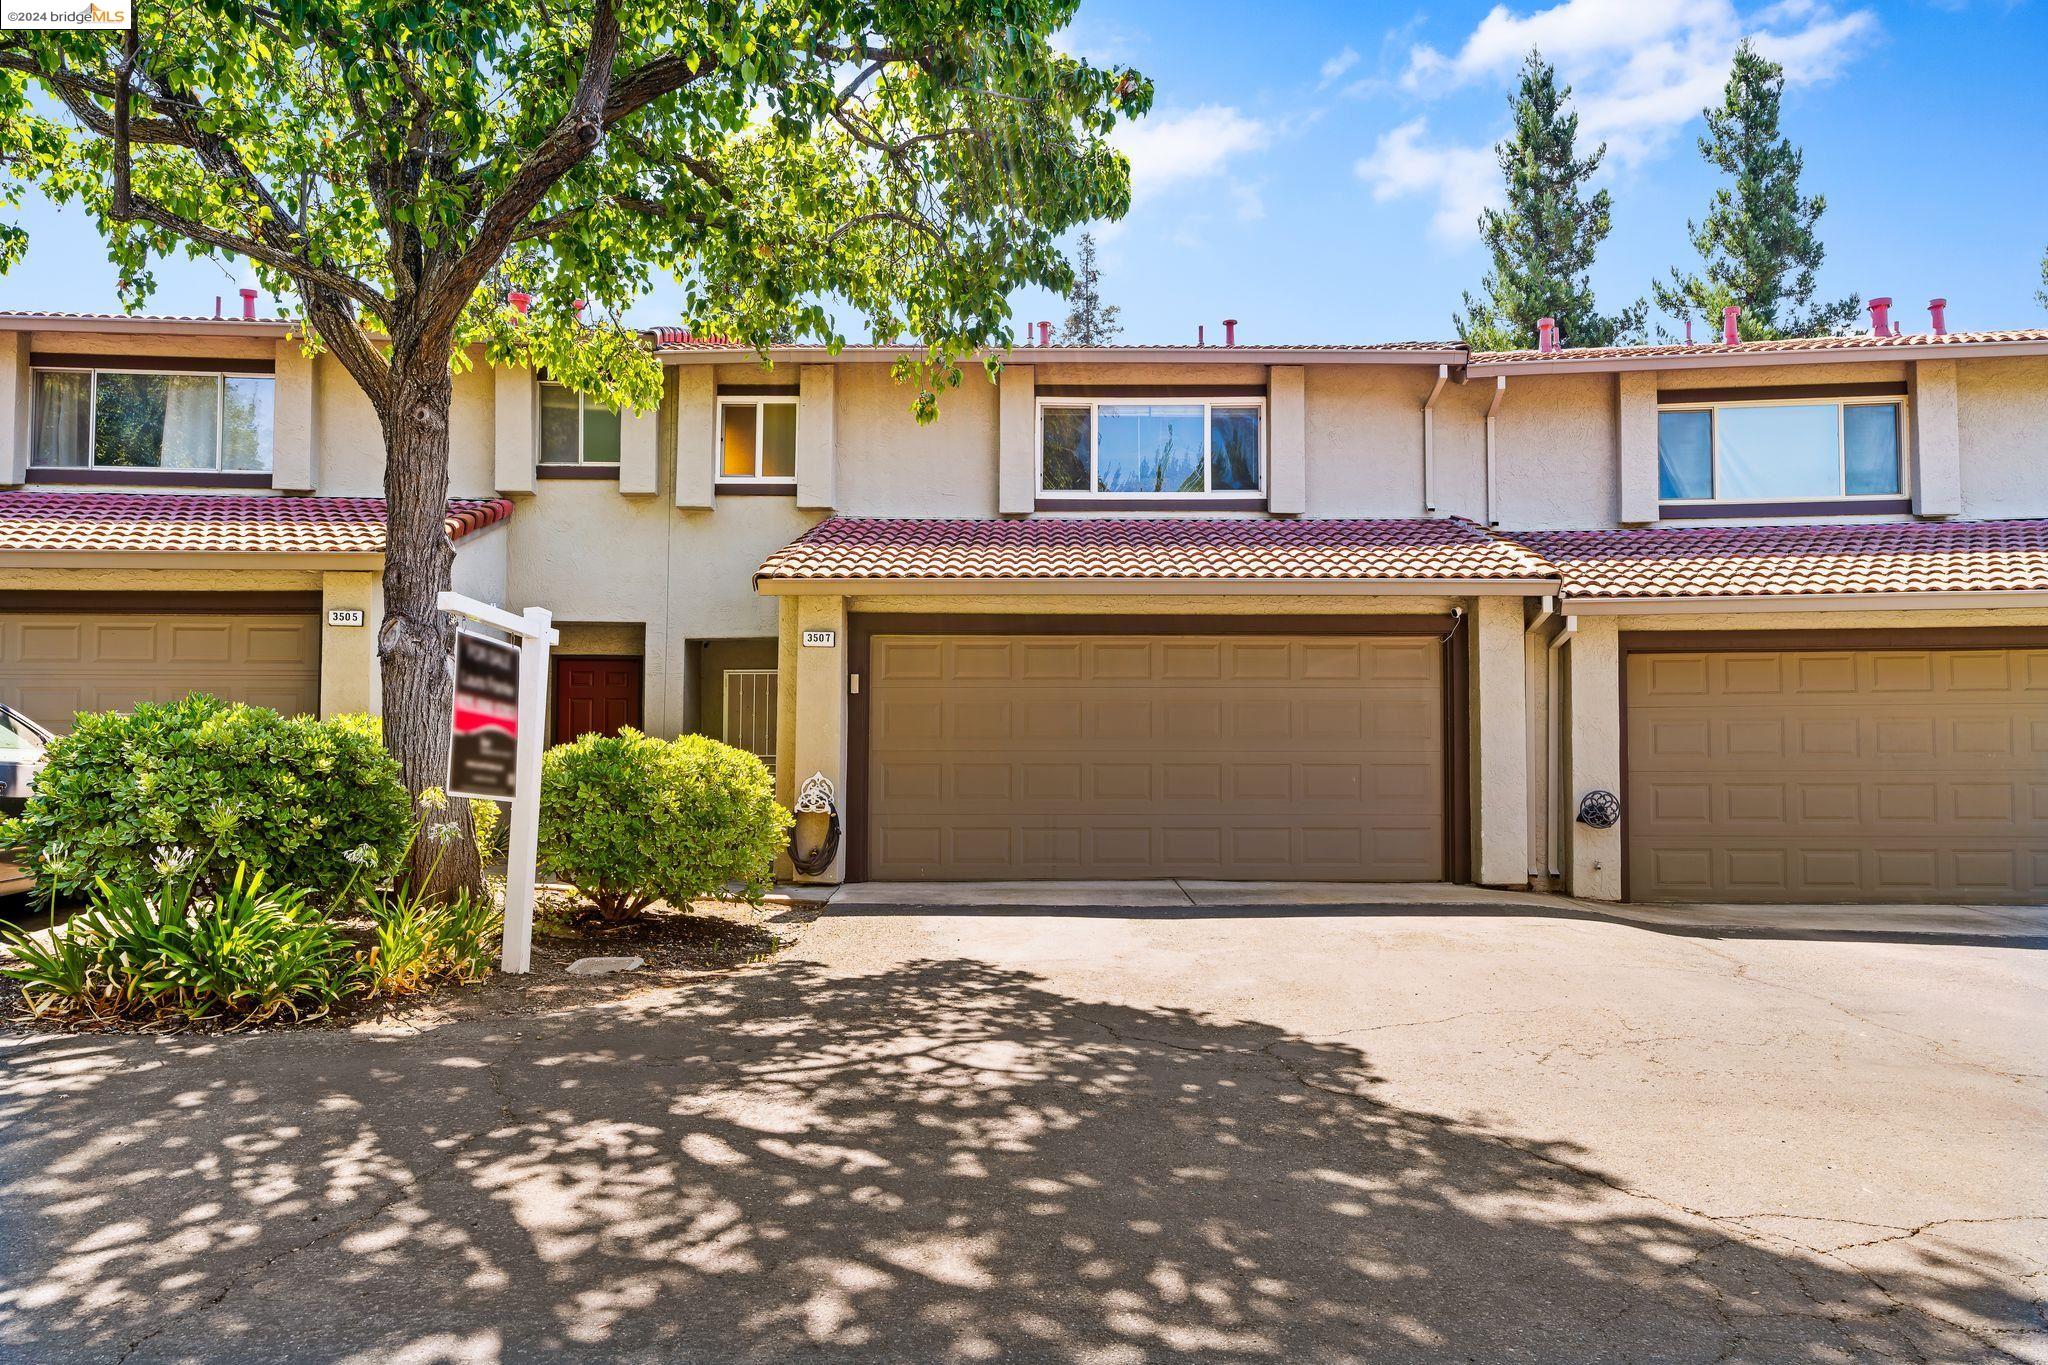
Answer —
(1757, 242)
(1544, 240)
(397, 165)
(2041, 294)
(1090, 322)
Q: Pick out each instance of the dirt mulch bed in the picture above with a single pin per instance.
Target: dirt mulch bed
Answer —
(675, 946)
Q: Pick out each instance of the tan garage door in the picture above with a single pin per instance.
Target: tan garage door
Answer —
(1047, 756)
(56, 663)
(1839, 775)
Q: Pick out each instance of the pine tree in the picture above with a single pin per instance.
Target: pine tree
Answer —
(1757, 242)
(2041, 294)
(1090, 322)
(1543, 241)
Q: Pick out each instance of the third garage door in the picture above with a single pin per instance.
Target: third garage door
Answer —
(1909, 774)
(1049, 756)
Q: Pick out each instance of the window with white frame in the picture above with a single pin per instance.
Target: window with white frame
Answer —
(1780, 450)
(125, 418)
(757, 439)
(575, 430)
(1140, 447)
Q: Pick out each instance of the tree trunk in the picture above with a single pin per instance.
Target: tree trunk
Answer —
(415, 646)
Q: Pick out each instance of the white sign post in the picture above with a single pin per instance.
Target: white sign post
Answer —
(536, 633)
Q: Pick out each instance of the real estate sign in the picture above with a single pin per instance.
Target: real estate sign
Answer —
(483, 758)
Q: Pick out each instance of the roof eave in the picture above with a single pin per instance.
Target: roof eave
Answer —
(46, 322)
(1360, 587)
(225, 560)
(1841, 601)
(1717, 358)
(1080, 355)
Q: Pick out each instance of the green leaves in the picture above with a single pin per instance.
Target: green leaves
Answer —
(216, 786)
(1544, 240)
(1757, 245)
(628, 820)
(793, 162)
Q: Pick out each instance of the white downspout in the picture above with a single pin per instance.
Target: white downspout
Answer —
(1443, 375)
(1500, 390)
(1535, 685)
(1553, 758)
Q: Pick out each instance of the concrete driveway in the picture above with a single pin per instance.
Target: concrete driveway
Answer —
(1086, 1134)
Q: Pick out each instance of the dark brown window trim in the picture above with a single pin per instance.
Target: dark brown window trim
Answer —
(759, 391)
(604, 472)
(1151, 391)
(863, 626)
(1839, 507)
(39, 360)
(1751, 393)
(114, 477)
(764, 489)
(163, 603)
(1089, 503)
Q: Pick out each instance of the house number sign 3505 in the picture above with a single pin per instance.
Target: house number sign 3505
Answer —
(344, 616)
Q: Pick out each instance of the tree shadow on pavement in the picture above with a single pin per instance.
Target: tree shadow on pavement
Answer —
(945, 1161)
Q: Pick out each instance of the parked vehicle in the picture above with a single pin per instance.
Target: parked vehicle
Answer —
(21, 758)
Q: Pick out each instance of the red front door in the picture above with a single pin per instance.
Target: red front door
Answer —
(599, 695)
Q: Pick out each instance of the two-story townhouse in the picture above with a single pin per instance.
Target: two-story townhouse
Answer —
(1372, 612)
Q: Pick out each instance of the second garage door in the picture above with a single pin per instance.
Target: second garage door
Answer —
(1838, 775)
(1050, 756)
(56, 662)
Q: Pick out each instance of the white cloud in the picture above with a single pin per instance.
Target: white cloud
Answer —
(1464, 180)
(1641, 69)
(1338, 65)
(1179, 148)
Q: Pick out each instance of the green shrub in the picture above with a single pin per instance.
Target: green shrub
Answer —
(628, 820)
(242, 955)
(316, 804)
(489, 823)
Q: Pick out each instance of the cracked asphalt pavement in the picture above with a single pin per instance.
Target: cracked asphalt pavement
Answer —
(1077, 1135)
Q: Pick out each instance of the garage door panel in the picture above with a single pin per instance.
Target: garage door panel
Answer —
(54, 665)
(1226, 757)
(1924, 781)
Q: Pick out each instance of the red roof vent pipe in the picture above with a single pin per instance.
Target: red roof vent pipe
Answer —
(1731, 331)
(1937, 310)
(1880, 317)
(520, 300)
(1045, 334)
(1201, 335)
(1546, 335)
(217, 314)
(248, 305)
(1230, 331)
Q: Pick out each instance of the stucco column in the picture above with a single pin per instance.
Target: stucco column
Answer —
(1936, 439)
(14, 403)
(348, 654)
(294, 440)
(1500, 743)
(817, 440)
(1593, 722)
(1635, 426)
(821, 691)
(516, 428)
(1017, 440)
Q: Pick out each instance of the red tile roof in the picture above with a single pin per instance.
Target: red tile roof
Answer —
(1798, 561)
(1763, 350)
(1151, 549)
(212, 523)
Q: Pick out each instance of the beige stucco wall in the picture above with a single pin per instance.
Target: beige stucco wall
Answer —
(890, 466)
(2002, 416)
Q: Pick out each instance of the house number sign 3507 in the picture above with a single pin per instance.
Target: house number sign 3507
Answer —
(820, 639)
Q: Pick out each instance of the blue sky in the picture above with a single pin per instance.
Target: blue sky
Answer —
(1316, 174)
